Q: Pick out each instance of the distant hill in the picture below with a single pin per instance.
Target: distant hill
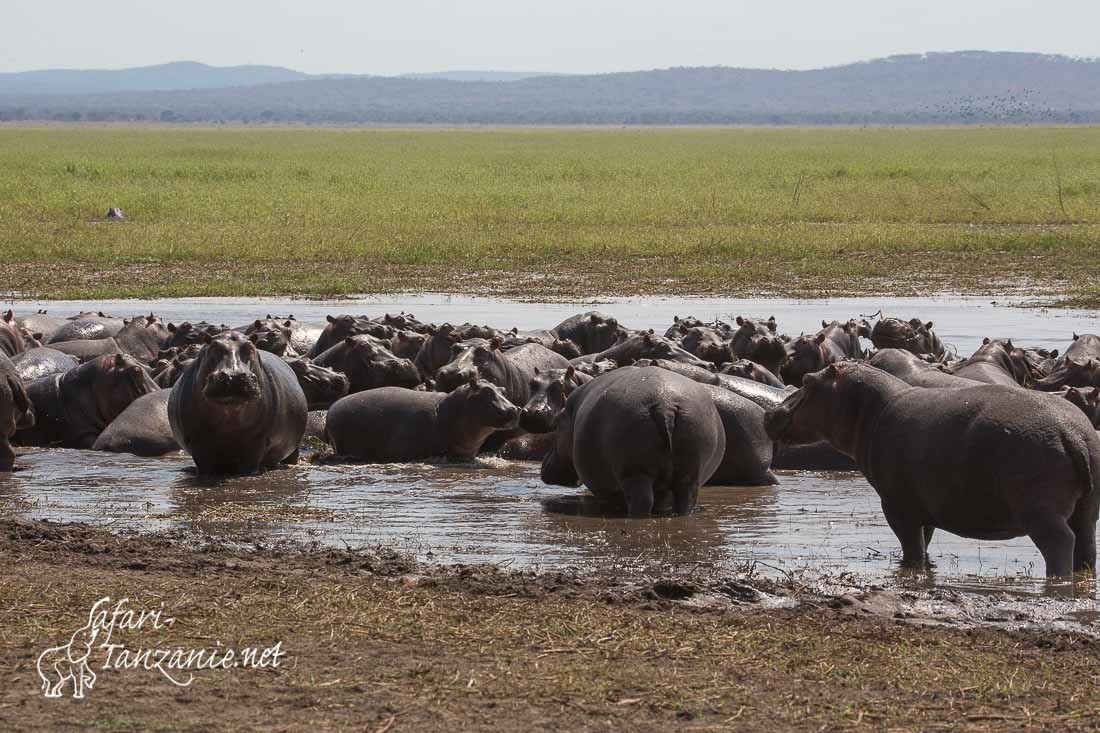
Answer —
(174, 76)
(934, 88)
(479, 75)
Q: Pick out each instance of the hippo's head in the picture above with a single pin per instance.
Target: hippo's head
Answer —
(596, 368)
(549, 391)
(229, 369)
(403, 322)
(344, 326)
(321, 386)
(273, 341)
(118, 380)
(1088, 400)
(821, 401)
(804, 356)
(746, 369)
(914, 336)
(757, 340)
(369, 364)
(707, 344)
(468, 359)
(1071, 372)
(567, 348)
(603, 333)
(187, 334)
(486, 403)
(407, 344)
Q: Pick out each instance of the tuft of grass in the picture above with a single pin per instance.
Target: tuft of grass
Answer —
(687, 211)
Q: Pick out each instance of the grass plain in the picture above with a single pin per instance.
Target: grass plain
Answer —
(549, 213)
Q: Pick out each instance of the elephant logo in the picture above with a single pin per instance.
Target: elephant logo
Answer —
(69, 662)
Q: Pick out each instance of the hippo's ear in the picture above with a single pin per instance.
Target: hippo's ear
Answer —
(819, 339)
(330, 319)
(1074, 392)
(929, 325)
(739, 321)
(824, 324)
(290, 317)
(120, 361)
(495, 343)
(258, 324)
(570, 374)
(614, 323)
(171, 328)
(1054, 354)
(647, 338)
(287, 323)
(985, 341)
(1075, 336)
(537, 372)
(9, 316)
(37, 336)
(402, 336)
(594, 318)
(676, 319)
(254, 337)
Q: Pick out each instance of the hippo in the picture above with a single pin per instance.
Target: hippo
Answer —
(274, 341)
(911, 369)
(16, 411)
(407, 344)
(321, 386)
(188, 334)
(1087, 399)
(41, 362)
(141, 429)
(748, 369)
(86, 350)
(995, 362)
(549, 391)
(167, 371)
(526, 447)
(73, 408)
(115, 214)
(86, 328)
(681, 326)
(747, 458)
(437, 351)
(368, 364)
(1084, 346)
(642, 436)
(913, 336)
(648, 346)
(391, 424)
(11, 336)
(405, 322)
(142, 337)
(237, 409)
(40, 323)
(315, 424)
(340, 328)
(593, 368)
(512, 371)
(592, 332)
(834, 342)
(992, 462)
(1071, 372)
(758, 342)
(278, 335)
(708, 344)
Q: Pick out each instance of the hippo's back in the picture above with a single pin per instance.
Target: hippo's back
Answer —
(41, 362)
(142, 428)
(384, 424)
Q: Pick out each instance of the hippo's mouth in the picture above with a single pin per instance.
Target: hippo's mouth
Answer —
(232, 390)
(778, 420)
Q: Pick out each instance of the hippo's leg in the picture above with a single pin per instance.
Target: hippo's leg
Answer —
(684, 497)
(638, 492)
(7, 455)
(911, 535)
(928, 532)
(1052, 535)
(292, 459)
(1083, 524)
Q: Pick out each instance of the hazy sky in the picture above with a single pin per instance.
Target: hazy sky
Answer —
(371, 37)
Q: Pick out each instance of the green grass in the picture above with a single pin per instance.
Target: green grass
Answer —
(690, 211)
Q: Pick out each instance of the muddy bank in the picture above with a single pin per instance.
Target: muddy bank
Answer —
(374, 639)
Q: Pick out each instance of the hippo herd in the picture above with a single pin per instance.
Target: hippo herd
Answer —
(998, 445)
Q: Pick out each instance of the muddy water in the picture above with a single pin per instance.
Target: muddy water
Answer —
(491, 510)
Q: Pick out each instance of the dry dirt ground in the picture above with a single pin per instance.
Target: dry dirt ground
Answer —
(372, 641)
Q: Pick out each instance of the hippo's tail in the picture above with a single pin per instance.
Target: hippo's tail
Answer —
(664, 417)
